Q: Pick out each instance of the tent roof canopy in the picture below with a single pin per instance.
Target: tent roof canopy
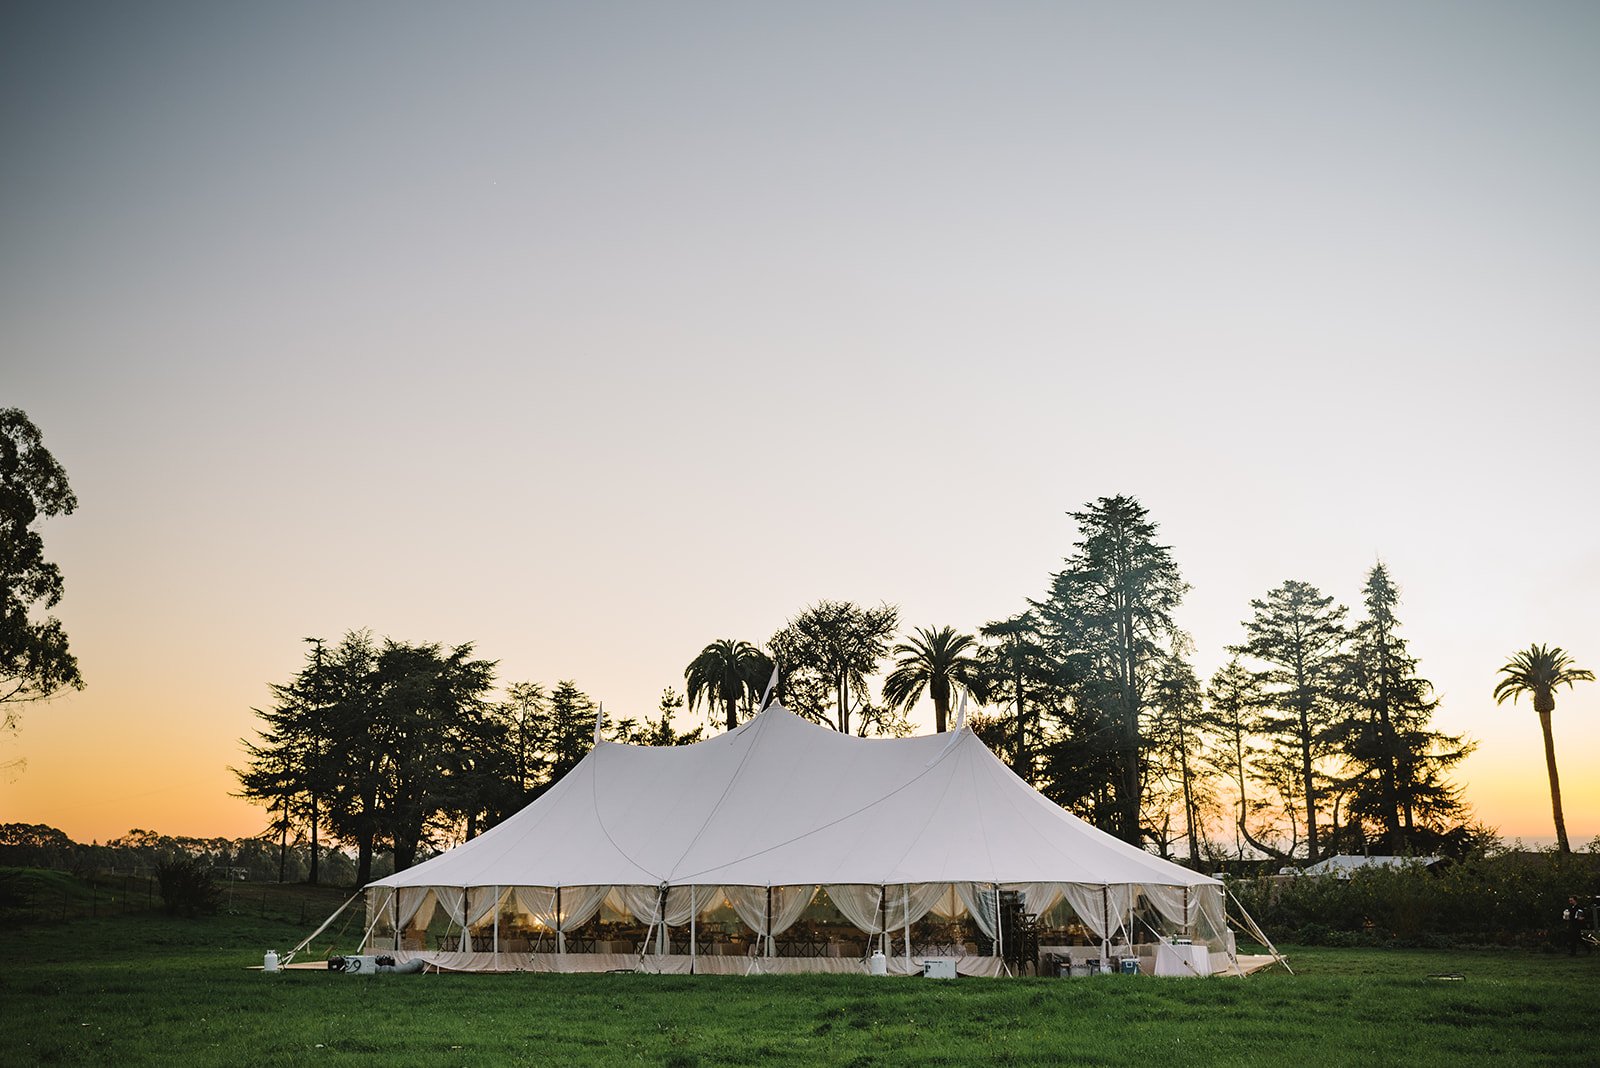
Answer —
(784, 802)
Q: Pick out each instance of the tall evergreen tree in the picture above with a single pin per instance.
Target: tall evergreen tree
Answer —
(1232, 702)
(296, 765)
(1017, 672)
(572, 716)
(1300, 635)
(427, 701)
(1397, 762)
(1179, 702)
(525, 714)
(1108, 619)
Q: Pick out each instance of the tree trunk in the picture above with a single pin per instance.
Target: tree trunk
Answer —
(1303, 706)
(315, 819)
(1555, 780)
(1311, 794)
(1023, 764)
(732, 710)
(941, 711)
(283, 843)
(1391, 752)
(1190, 814)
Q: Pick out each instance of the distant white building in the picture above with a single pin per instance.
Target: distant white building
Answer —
(1344, 865)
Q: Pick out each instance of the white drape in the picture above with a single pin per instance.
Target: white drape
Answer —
(1213, 915)
(1037, 898)
(482, 902)
(1103, 909)
(564, 910)
(861, 905)
(416, 906)
(908, 904)
(644, 904)
(750, 902)
(453, 900)
(948, 905)
(979, 902)
(465, 908)
(1178, 908)
(1197, 912)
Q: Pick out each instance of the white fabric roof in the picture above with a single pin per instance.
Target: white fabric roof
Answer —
(784, 802)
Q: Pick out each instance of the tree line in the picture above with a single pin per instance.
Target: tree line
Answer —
(1316, 737)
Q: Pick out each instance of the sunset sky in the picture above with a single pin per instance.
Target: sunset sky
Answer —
(590, 333)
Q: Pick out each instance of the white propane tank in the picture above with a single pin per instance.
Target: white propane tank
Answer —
(269, 963)
(879, 963)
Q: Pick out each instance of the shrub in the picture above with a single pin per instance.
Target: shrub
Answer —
(187, 888)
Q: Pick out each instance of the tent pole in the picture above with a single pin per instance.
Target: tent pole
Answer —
(496, 942)
(883, 920)
(394, 899)
(661, 931)
(905, 914)
(999, 924)
(1187, 933)
(769, 920)
(694, 916)
(561, 923)
(1105, 915)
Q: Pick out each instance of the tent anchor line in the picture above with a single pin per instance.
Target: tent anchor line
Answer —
(1255, 932)
(306, 941)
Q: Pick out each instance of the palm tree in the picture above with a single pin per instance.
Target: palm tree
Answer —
(1538, 670)
(936, 659)
(727, 671)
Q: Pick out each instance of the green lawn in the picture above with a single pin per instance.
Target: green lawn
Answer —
(146, 989)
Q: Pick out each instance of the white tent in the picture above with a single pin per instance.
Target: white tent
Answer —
(757, 819)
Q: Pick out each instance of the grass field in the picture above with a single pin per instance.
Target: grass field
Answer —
(142, 988)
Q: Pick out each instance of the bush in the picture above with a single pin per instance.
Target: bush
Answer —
(1513, 898)
(187, 888)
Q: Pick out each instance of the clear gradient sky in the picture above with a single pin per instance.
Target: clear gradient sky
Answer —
(593, 332)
